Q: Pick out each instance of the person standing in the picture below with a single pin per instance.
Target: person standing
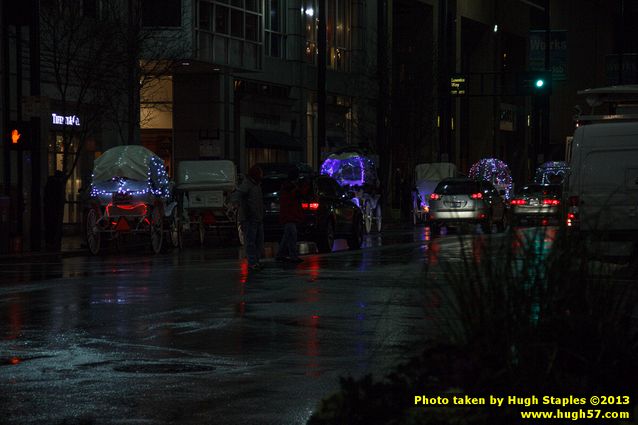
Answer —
(251, 215)
(290, 214)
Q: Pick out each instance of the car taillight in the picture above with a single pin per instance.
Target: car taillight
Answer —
(518, 202)
(435, 197)
(572, 213)
(478, 195)
(313, 206)
(551, 202)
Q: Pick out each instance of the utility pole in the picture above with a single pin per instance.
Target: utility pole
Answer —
(446, 50)
(545, 129)
(321, 82)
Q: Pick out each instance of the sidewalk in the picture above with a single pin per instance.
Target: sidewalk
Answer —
(72, 245)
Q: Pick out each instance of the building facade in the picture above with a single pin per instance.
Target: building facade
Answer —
(247, 90)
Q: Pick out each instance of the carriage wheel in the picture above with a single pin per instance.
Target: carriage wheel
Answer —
(157, 229)
(367, 216)
(378, 216)
(93, 236)
(240, 230)
(201, 230)
(175, 230)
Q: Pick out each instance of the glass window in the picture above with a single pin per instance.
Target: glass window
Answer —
(236, 23)
(221, 19)
(274, 26)
(457, 188)
(236, 32)
(252, 5)
(252, 27)
(205, 10)
(275, 16)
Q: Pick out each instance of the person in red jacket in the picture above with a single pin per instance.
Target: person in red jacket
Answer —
(290, 214)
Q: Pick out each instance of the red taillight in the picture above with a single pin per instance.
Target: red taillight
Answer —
(435, 197)
(477, 195)
(551, 202)
(518, 202)
(313, 206)
(571, 216)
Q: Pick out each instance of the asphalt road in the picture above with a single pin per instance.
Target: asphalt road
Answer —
(194, 337)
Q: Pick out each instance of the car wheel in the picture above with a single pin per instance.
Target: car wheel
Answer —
(356, 238)
(378, 216)
(326, 238)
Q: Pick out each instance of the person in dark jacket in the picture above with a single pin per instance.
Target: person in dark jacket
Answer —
(290, 214)
(251, 215)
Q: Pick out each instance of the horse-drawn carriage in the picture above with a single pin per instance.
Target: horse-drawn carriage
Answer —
(203, 190)
(551, 172)
(130, 195)
(355, 170)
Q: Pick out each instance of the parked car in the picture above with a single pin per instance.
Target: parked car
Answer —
(537, 203)
(601, 191)
(426, 177)
(329, 212)
(462, 200)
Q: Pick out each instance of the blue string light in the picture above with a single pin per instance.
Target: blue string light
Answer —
(495, 171)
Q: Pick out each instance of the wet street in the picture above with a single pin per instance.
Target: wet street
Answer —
(194, 337)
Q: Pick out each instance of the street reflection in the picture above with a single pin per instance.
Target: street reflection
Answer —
(312, 347)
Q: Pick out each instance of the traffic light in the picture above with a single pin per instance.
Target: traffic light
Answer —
(536, 83)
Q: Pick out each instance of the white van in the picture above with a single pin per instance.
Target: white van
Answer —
(602, 187)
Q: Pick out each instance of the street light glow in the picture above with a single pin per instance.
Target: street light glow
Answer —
(540, 83)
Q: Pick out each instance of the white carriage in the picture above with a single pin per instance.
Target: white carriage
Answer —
(130, 194)
(203, 190)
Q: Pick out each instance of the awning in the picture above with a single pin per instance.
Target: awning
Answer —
(271, 139)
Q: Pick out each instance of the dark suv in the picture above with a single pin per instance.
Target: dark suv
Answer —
(329, 212)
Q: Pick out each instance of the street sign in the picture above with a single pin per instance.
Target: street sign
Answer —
(458, 85)
(557, 53)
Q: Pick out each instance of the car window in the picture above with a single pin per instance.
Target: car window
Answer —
(537, 189)
(271, 185)
(457, 187)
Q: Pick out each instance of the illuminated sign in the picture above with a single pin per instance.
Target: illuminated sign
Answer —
(458, 85)
(65, 120)
(15, 136)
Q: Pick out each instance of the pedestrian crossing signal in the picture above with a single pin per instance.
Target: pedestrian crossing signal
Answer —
(15, 136)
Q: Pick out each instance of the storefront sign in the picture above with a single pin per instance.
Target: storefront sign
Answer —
(65, 120)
